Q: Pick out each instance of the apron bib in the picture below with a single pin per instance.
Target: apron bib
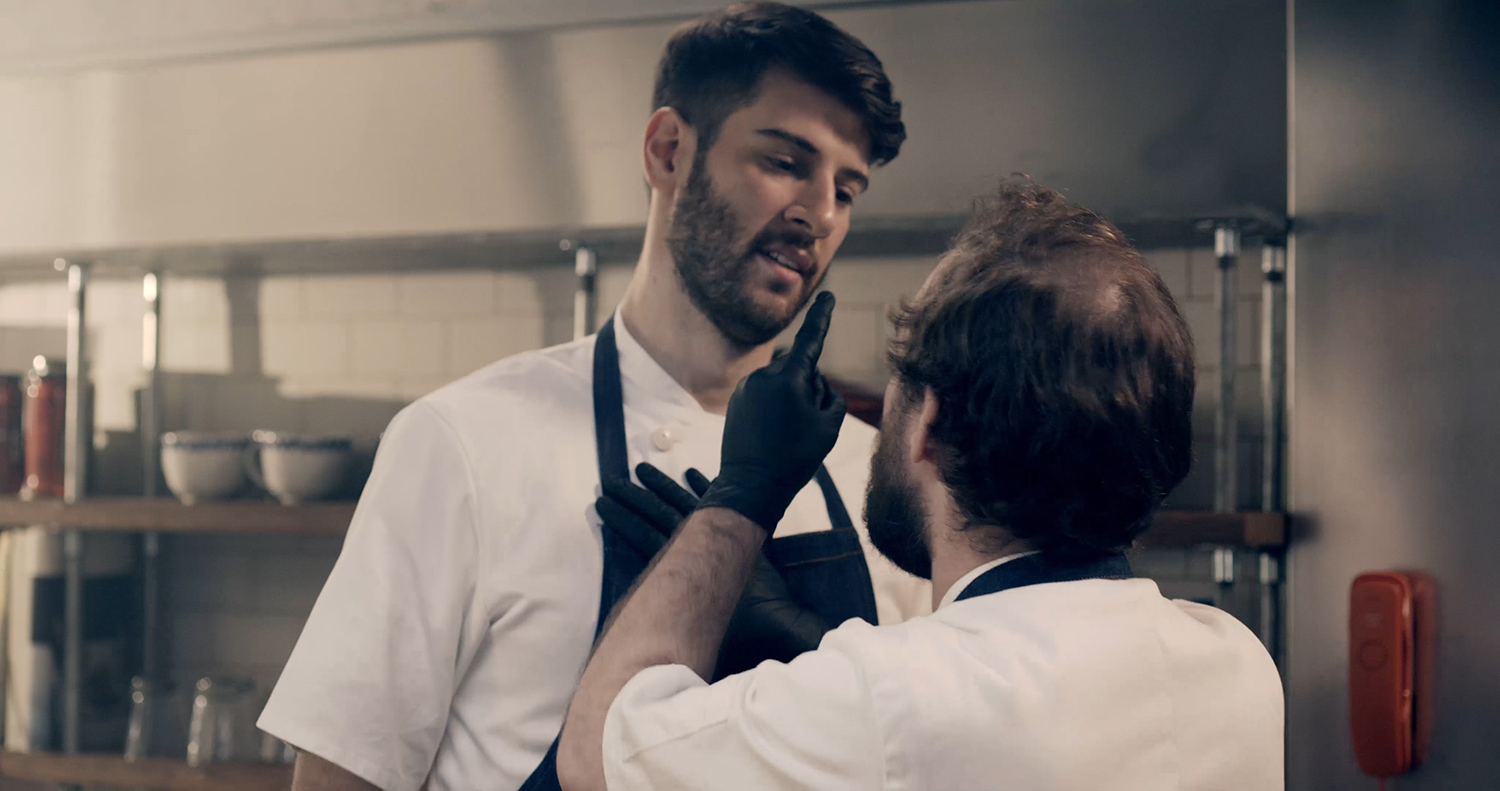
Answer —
(824, 570)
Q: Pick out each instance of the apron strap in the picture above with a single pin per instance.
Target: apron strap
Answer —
(838, 515)
(621, 564)
(609, 407)
(1041, 568)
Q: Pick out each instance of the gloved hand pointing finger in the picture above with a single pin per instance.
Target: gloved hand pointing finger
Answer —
(781, 422)
(807, 346)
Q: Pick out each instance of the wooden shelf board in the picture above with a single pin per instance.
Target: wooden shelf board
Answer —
(166, 514)
(113, 771)
(517, 249)
(892, 235)
(1254, 530)
(1249, 529)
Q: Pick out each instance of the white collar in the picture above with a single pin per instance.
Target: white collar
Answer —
(639, 370)
(963, 582)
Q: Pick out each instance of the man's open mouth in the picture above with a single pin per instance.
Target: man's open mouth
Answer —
(784, 260)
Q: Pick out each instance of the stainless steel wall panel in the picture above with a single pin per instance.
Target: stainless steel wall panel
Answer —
(1395, 430)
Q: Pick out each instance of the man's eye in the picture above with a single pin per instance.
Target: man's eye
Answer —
(783, 165)
(845, 197)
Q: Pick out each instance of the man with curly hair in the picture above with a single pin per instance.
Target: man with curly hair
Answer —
(1040, 410)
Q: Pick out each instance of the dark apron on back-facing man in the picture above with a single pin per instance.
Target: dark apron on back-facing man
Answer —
(824, 570)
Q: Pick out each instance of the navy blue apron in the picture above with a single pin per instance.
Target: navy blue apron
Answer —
(824, 570)
(1041, 568)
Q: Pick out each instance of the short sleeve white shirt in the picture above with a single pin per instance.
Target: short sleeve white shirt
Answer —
(449, 638)
(1097, 684)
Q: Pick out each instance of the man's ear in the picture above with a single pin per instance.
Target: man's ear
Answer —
(668, 150)
(923, 448)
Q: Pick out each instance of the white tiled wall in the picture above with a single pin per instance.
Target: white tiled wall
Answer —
(341, 354)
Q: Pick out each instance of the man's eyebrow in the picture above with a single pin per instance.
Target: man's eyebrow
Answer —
(796, 140)
(808, 148)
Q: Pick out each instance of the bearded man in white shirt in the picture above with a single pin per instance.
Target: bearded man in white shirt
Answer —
(451, 634)
(1039, 412)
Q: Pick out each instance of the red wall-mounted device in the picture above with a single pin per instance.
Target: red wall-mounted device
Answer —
(1392, 630)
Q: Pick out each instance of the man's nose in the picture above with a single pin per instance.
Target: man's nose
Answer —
(816, 208)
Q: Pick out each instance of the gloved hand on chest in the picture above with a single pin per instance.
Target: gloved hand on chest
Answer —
(767, 623)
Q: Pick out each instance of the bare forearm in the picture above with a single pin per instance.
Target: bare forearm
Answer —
(316, 774)
(677, 614)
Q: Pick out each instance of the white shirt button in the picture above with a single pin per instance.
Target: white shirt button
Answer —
(662, 439)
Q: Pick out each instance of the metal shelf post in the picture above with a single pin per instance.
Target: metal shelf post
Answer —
(1273, 351)
(1226, 431)
(586, 299)
(150, 432)
(77, 440)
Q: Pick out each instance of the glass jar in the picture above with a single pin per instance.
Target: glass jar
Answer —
(12, 460)
(213, 730)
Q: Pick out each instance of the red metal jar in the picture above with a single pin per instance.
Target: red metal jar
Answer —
(45, 410)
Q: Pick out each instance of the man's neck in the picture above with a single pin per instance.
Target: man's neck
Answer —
(664, 320)
(954, 555)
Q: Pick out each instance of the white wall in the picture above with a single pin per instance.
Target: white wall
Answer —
(73, 33)
(1141, 107)
(262, 352)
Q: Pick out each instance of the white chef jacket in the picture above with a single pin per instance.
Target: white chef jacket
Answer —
(1069, 686)
(451, 634)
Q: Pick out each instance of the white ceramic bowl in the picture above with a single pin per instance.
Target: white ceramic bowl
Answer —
(300, 468)
(203, 465)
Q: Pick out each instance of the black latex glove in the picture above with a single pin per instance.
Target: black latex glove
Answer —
(767, 622)
(781, 422)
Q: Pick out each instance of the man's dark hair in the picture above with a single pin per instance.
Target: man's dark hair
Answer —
(1063, 373)
(713, 66)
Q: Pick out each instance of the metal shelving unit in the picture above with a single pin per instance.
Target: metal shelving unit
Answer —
(1263, 534)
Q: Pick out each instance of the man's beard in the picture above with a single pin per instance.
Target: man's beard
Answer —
(893, 506)
(716, 275)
